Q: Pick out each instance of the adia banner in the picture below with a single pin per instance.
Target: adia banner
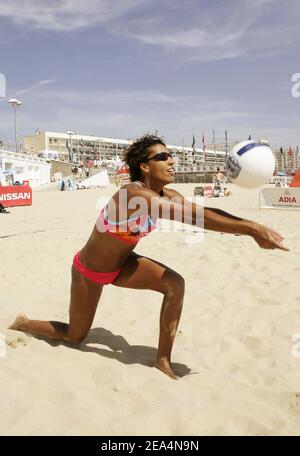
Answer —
(280, 198)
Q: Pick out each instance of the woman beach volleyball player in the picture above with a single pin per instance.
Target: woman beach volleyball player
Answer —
(108, 256)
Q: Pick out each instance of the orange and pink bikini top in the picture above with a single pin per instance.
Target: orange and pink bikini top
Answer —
(129, 231)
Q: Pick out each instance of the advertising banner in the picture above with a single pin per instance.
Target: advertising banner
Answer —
(16, 195)
(280, 198)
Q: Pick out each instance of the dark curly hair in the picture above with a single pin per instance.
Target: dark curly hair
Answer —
(138, 152)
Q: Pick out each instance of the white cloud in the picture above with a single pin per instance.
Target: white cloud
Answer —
(232, 29)
(65, 14)
(189, 30)
(34, 86)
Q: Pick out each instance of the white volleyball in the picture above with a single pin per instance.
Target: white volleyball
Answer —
(250, 164)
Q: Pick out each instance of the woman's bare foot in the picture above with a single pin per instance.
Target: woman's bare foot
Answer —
(165, 366)
(19, 323)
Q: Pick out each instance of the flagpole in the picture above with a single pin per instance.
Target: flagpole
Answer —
(294, 160)
(285, 160)
(203, 147)
(214, 143)
(193, 153)
(183, 161)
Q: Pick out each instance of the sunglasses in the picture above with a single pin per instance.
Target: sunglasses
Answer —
(161, 156)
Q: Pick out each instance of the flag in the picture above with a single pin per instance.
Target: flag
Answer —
(290, 151)
(203, 146)
(214, 144)
(226, 144)
(183, 154)
(183, 160)
(249, 138)
(283, 157)
(193, 144)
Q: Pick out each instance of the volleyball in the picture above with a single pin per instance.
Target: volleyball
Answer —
(250, 164)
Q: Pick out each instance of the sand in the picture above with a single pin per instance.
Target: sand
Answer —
(234, 347)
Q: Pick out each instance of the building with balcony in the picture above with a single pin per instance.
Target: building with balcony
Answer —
(77, 148)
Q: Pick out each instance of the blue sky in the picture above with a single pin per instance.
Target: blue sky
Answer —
(123, 68)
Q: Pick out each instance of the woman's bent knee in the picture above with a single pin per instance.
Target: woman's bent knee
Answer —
(175, 285)
(75, 340)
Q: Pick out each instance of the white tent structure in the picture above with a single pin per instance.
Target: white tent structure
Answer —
(97, 180)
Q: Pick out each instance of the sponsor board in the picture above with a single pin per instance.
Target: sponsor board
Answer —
(208, 191)
(123, 175)
(16, 195)
(280, 198)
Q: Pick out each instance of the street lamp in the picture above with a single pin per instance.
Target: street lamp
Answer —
(70, 133)
(14, 103)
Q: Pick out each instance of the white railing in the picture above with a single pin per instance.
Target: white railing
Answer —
(20, 156)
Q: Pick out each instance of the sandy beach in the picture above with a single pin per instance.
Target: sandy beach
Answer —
(233, 348)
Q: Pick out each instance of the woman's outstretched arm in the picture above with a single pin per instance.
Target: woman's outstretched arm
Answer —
(180, 209)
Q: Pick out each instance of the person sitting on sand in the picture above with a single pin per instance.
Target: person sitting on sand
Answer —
(3, 210)
(108, 256)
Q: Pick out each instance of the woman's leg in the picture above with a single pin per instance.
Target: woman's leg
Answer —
(142, 273)
(85, 296)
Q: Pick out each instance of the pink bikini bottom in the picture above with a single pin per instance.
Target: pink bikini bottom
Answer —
(103, 278)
